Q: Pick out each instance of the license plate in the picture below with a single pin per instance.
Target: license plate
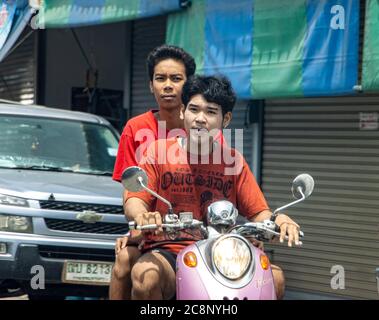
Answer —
(87, 272)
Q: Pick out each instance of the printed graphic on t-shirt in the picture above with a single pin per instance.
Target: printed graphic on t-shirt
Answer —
(193, 186)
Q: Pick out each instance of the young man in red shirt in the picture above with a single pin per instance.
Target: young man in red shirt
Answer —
(168, 68)
(192, 172)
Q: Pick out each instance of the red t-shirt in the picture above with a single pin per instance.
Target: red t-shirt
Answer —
(191, 185)
(139, 132)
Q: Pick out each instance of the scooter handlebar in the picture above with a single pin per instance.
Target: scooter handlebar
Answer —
(176, 225)
(268, 228)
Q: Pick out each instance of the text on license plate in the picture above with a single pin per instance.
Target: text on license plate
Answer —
(87, 272)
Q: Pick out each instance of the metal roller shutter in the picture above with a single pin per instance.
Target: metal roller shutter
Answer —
(18, 72)
(341, 219)
(244, 139)
(147, 34)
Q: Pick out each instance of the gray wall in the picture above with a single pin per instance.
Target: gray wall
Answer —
(105, 46)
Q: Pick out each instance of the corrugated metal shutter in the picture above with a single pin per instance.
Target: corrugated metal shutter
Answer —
(18, 73)
(341, 219)
(243, 138)
(147, 34)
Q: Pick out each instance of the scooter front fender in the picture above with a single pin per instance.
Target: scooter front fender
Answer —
(198, 283)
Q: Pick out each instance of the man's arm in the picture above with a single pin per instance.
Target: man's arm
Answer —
(125, 153)
(263, 215)
(286, 224)
(134, 207)
(251, 199)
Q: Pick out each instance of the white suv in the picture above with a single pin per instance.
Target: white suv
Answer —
(60, 211)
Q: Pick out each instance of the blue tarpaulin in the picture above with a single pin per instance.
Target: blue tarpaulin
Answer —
(76, 13)
(273, 48)
(21, 14)
(7, 10)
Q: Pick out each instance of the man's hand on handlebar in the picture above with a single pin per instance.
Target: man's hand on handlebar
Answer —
(150, 218)
(290, 228)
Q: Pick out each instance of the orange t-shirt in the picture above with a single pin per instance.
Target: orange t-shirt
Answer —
(139, 132)
(191, 184)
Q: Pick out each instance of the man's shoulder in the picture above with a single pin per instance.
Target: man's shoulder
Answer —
(142, 121)
(160, 148)
(163, 144)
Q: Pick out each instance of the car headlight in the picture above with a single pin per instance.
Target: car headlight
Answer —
(13, 201)
(232, 257)
(16, 224)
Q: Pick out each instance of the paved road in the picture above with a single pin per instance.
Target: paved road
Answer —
(21, 297)
(15, 294)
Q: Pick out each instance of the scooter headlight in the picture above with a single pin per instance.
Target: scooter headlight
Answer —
(232, 257)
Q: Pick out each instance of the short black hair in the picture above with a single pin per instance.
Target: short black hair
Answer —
(215, 89)
(164, 52)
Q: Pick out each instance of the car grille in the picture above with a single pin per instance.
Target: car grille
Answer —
(79, 226)
(91, 254)
(79, 207)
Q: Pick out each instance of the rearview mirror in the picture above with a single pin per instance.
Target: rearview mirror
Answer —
(133, 178)
(302, 185)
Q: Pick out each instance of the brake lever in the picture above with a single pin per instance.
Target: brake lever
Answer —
(269, 227)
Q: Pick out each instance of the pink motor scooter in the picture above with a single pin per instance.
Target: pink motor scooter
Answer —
(224, 265)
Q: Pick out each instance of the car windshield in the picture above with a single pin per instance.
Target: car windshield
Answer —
(56, 145)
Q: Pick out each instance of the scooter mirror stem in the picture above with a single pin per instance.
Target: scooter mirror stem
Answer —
(300, 190)
(156, 195)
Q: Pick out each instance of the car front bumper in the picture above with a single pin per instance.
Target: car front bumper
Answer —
(25, 251)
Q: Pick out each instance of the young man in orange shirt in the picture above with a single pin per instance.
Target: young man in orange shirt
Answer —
(191, 172)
